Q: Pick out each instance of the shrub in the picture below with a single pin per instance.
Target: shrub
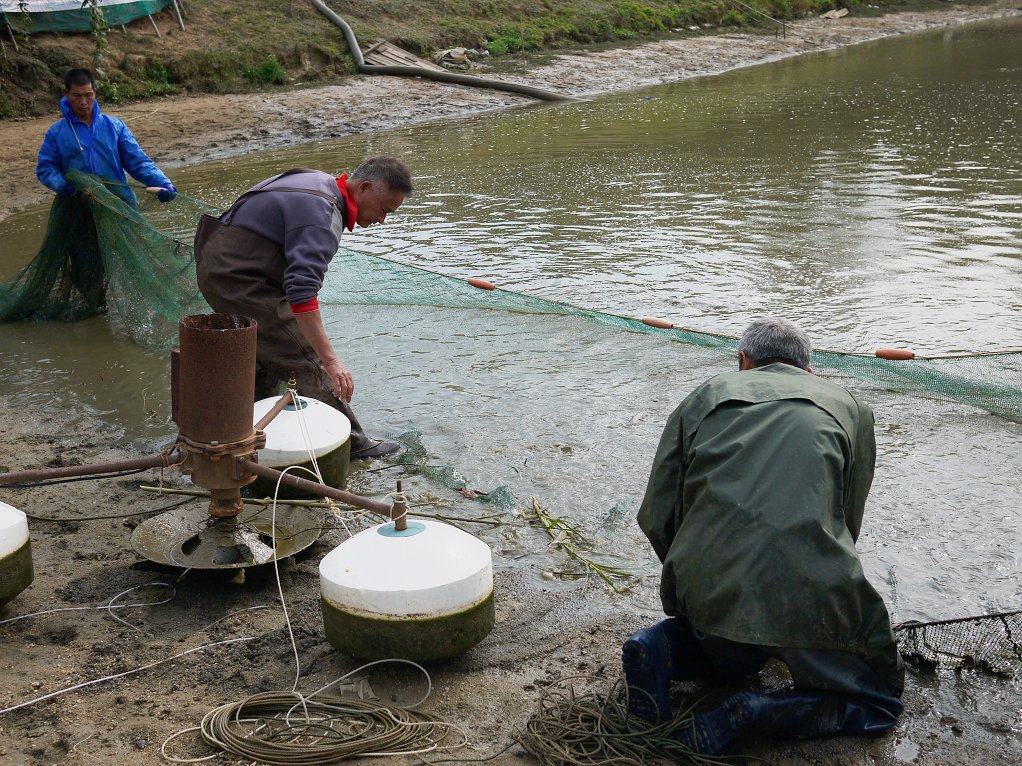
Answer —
(270, 72)
(107, 90)
(157, 72)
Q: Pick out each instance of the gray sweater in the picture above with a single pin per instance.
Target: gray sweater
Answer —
(307, 227)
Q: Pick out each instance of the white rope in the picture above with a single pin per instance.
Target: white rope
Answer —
(95, 681)
(310, 450)
(109, 606)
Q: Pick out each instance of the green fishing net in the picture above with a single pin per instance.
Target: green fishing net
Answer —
(101, 255)
(137, 263)
(992, 382)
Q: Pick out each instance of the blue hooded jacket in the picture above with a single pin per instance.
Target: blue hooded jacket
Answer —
(106, 148)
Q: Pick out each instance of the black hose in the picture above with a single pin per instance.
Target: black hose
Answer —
(430, 74)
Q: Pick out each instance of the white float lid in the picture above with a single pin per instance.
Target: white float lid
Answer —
(434, 571)
(327, 429)
(13, 529)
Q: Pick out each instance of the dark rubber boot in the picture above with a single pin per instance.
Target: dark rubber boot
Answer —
(646, 659)
(787, 715)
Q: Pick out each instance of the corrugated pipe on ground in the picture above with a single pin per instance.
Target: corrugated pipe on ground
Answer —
(412, 71)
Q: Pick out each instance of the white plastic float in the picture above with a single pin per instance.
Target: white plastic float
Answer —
(423, 594)
(327, 432)
(15, 553)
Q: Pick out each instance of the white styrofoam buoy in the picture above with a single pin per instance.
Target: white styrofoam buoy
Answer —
(327, 431)
(15, 553)
(422, 594)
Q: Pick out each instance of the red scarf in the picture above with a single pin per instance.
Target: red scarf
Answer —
(350, 206)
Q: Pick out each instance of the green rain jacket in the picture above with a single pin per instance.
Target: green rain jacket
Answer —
(754, 504)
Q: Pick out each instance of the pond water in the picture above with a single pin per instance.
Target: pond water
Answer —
(874, 194)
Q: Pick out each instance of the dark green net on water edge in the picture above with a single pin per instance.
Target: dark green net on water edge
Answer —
(100, 254)
(991, 381)
(146, 267)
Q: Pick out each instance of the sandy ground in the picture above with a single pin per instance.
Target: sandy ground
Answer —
(180, 131)
(544, 630)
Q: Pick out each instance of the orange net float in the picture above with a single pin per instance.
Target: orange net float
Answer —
(482, 284)
(661, 324)
(897, 354)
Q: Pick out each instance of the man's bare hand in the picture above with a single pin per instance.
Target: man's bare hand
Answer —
(340, 378)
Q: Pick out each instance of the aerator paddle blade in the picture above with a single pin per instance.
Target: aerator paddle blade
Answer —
(191, 539)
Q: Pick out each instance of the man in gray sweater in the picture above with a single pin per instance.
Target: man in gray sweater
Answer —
(267, 257)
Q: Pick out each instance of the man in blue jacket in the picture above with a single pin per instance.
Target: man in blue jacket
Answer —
(85, 139)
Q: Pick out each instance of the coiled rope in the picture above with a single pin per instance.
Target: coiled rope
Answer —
(593, 728)
(282, 728)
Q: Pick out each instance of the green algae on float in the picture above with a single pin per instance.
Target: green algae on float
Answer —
(292, 434)
(16, 571)
(426, 639)
(421, 593)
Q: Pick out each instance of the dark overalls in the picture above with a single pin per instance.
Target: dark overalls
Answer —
(241, 272)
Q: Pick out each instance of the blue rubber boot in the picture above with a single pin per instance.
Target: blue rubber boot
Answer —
(711, 732)
(787, 715)
(648, 669)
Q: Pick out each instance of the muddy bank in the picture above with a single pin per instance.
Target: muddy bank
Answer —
(181, 131)
(545, 631)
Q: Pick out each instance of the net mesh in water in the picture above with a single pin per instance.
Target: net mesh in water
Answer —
(991, 381)
(991, 642)
(100, 253)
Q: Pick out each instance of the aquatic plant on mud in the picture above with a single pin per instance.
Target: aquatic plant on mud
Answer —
(568, 538)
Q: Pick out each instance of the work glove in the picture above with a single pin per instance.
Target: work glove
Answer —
(167, 193)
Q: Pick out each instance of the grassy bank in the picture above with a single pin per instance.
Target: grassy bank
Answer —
(233, 46)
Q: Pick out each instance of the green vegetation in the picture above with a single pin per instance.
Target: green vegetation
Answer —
(235, 46)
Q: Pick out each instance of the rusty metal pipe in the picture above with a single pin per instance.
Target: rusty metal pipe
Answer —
(41, 474)
(275, 410)
(399, 511)
(315, 488)
(216, 370)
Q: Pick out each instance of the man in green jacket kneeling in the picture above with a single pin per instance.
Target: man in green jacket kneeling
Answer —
(754, 504)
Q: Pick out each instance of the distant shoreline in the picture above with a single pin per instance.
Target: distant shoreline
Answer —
(180, 131)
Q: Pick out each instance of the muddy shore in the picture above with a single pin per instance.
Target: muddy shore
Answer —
(544, 630)
(181, 131)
